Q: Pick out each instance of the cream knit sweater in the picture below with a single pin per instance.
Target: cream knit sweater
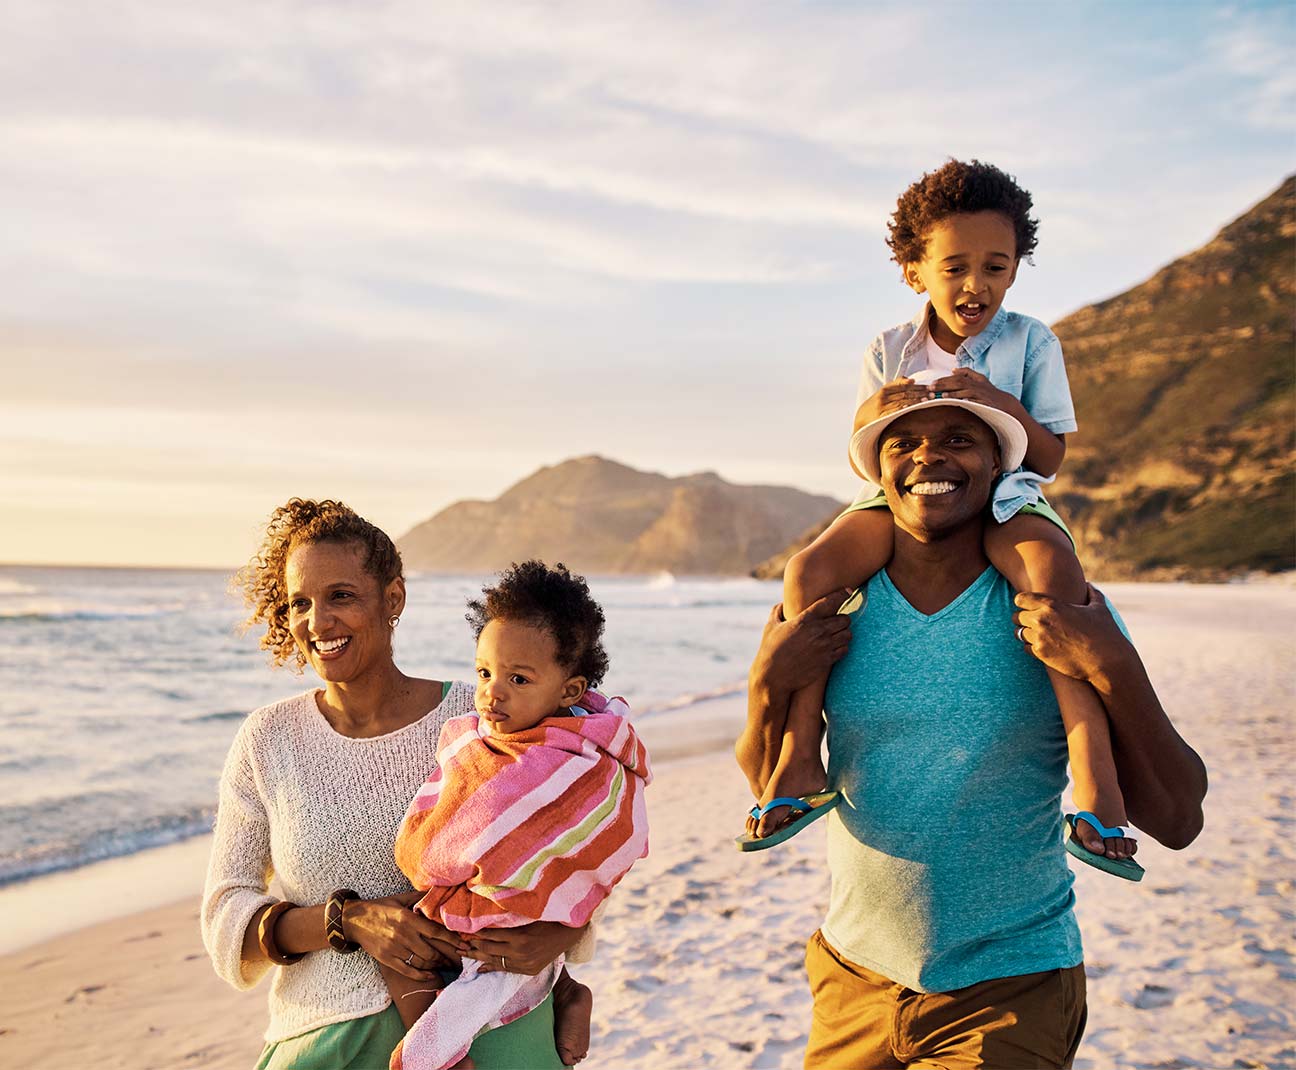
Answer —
(318, 811)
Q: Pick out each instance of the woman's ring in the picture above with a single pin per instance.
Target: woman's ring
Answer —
(1021, 633)
(409, 960)
(504, 963)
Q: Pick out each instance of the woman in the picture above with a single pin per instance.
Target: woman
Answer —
(312, 793)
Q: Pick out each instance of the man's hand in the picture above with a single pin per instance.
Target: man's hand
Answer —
(895, 395)
(1077, 641)
(794, 653)
(967, 385)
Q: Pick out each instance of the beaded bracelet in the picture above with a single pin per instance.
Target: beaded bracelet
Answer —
(266, 938)
(333, 922)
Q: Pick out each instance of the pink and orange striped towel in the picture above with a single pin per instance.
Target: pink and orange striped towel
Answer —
(515, 828)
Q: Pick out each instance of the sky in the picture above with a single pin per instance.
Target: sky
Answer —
(406, 253)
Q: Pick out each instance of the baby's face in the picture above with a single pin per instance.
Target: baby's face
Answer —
(519, 679)
(970, 261)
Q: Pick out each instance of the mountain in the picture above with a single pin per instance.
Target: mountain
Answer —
(595, 515)
(1185, 392)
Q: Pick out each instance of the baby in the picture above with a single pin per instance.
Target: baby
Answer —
(959, 235)
(536, 809)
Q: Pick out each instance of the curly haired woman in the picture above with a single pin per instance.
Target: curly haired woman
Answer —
(312, 794)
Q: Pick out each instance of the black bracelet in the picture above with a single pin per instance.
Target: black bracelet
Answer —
(333, 922)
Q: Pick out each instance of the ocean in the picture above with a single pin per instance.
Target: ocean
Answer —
(121, 689)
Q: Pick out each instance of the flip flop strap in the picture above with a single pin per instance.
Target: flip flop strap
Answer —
(783, 800)
(1102, 830)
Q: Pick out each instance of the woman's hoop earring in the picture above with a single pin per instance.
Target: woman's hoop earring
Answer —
(393, 620)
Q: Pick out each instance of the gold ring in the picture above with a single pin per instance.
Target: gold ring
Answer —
(504, 962)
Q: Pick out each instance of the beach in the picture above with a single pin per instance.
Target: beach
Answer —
(699, 959)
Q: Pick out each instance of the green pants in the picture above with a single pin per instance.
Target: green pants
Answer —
(366, 1044)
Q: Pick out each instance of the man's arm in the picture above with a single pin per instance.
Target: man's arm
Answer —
(1162, 778)
(792, 654)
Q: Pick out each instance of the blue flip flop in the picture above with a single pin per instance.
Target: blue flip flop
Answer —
(812, 808)
(1126, 868)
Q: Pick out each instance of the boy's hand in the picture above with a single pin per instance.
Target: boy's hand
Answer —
(968, 385)
(895, 395)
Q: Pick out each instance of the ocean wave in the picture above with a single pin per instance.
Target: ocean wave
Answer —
(39, 860)
(220, 715)
(58, 614)
(10, 586)
(690, 698)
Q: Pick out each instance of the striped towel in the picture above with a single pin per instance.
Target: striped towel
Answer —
(526, 826)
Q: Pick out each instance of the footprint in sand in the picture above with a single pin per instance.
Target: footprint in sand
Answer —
(1152, 997)
(644, 984)
(84, 990)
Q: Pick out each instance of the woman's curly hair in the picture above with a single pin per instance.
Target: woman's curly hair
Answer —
(554, 600)
(299, 522)
(953, 188)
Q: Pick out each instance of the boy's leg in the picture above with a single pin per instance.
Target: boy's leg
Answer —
(1034, 554)
(573, 1009)
(855, 546)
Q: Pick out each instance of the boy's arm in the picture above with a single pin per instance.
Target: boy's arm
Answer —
(1162, 778)
(1044, 448)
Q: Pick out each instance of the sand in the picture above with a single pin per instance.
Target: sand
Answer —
(700, 951)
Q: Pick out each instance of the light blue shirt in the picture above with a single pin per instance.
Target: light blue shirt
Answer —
(1017, 353)
(946, 855)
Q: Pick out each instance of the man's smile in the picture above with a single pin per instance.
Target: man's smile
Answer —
(929, 488)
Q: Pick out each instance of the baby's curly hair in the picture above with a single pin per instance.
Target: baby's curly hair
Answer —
(554, 600)
(953, 188)
(299, 522)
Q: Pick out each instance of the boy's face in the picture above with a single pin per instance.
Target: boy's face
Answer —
(519, 679)
(970, 261)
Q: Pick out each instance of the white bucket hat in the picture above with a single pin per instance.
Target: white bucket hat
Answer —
(1008, 429)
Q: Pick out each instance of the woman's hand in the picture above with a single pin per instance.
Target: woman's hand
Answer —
(399, 937)
(527, 949)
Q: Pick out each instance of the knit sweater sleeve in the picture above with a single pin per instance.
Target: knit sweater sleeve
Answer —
(239, 871)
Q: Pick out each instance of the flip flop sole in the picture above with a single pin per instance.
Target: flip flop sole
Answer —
(1126, 868)
(820, 803)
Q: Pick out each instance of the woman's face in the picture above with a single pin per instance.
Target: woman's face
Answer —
(337, 612)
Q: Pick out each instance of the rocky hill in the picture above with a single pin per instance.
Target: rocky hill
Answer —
(602, 517)
(1185, 391)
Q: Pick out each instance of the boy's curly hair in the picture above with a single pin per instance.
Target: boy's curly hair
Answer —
(953, 188)
(554, 600)
(299, 522)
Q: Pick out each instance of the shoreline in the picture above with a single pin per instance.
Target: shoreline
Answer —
(69, 900)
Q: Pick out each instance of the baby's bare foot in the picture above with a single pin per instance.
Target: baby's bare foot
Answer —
(573, 1009)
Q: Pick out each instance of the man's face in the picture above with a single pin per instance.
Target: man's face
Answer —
(938, 467)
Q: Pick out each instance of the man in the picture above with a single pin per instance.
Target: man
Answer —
(950, 939)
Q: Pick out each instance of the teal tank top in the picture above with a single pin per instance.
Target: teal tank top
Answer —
(946, 855)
